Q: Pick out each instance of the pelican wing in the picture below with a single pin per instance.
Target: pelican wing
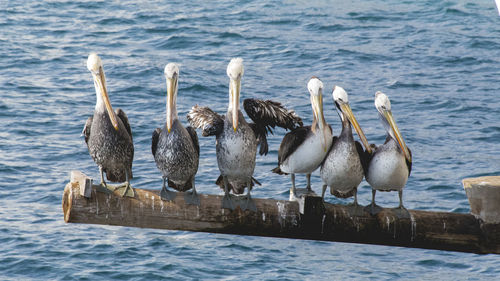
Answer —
(408, 163)
(154, 140)
(121, 114)
(86, 129)
(291, 142)
(194, 138)
(334, 140)
(203, 117)
(261, 135)
(269, 114)
(364, 156)
(367, 157)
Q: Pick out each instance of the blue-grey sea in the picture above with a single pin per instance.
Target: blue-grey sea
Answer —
(438, 61)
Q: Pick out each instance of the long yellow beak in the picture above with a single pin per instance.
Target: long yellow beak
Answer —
(397, 133)
(317, 106)
(100, 81)
(171, 89)
(346, 109)
(235, 100)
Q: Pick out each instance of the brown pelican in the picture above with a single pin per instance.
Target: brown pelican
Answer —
(175, 148)
(108, 135)
(237, 140)
(303, 149)
(390, 164)
(344, 166)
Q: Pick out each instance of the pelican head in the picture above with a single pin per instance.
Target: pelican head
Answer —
(94, 65)
(383, 105)
(315, 87)
(342, 102)
(172, 77)
(235, 72)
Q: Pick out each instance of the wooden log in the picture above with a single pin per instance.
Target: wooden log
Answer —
(148, 210)
(281, 218)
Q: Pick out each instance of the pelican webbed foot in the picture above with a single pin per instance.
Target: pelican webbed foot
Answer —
(304, 192)
(191, 197)
(104, 188)
(167, 195)
(249, 204)
(353, 204)
(401, 212)
(373, 209)
(227, 202)
(128, 192)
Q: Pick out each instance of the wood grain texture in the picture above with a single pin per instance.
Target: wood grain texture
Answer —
(280, 218)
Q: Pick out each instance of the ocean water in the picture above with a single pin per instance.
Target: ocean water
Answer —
(438, 61)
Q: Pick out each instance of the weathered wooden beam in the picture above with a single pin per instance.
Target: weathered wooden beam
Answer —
(274, 218)
(280, 218)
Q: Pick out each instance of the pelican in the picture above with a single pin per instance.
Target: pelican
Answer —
(390, 164)
(237, 140)
(343, 167)
(175, 149)
(108, 135)
(303, 149)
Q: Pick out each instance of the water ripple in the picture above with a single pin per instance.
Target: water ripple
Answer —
(438, 62)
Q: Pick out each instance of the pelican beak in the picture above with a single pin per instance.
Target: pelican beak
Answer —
(346, 109)
(171, 90)
(100, 81)
(388, 116)
(317, 106)
(235, 85)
